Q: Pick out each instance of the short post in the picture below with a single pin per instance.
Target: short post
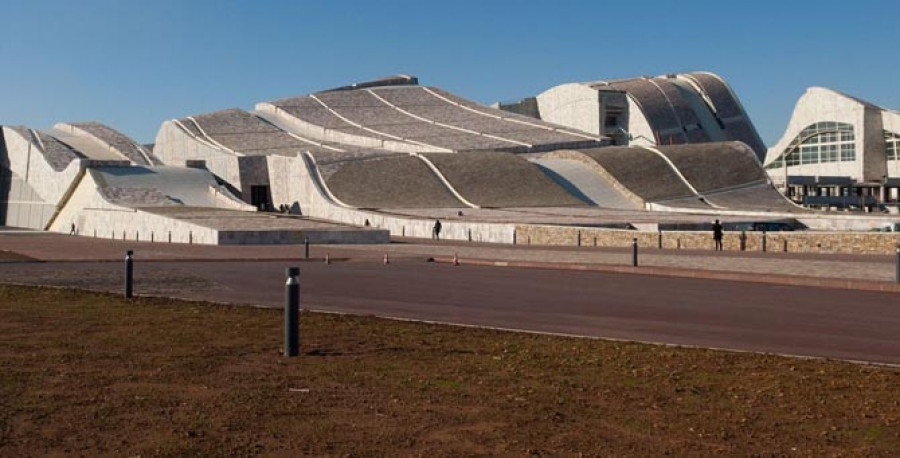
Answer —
(634, 252)
(514, 236)
(659, 239)
(764, 241)
(129, 274)
(897, 276)
(743, 240)
(306, 247)
(579, 239)
(784, 245)
(292, 312)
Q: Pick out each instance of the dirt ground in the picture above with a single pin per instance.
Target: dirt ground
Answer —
(91, 374)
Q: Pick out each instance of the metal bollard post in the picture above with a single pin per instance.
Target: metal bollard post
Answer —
(659, 239)
(306, 248)
(129, 274)
(514, 236)
(764, 242)
(292, 312)
(898, 264)
(743, 240)
(578, 242)
(634, 252)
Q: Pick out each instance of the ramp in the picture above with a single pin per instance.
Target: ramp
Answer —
(583, 182)
(139, 186)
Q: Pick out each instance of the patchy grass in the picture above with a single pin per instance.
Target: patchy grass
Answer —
(88, 373)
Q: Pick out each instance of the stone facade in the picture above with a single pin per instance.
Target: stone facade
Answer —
(793, 242)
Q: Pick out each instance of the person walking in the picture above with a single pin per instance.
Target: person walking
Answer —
(717, 235)
(436, 231)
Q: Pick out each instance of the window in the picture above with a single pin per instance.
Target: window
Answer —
(848, 152)
(892, 145)
(820, 142)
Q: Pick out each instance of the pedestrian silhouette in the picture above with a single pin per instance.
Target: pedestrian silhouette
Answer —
(436, 231)
(717, 235)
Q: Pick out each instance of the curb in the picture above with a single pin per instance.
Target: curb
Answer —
(787, 280)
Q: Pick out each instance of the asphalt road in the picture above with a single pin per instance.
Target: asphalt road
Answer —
(805, 321)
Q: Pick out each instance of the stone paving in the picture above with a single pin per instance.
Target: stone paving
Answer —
(54, 247)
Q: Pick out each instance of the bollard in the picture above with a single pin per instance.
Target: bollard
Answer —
(764, 242)
(634, 252)
(327, 259)
(306, 247)
(743, 241)
(784, 245)
(678, 244)
(578, 243)
(470, 235)
(129, 274)
(292, 312)
(455, 259)
(514, 236)
(898, 264)
(659, 239)
(386, 259)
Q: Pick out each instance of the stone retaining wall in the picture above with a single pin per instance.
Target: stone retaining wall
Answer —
(794, 242)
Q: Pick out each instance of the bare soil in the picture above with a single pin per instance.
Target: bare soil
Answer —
(91, 374)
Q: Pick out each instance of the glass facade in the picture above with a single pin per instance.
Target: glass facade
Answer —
(819, 143)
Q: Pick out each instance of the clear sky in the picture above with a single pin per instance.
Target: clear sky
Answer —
(135, 63)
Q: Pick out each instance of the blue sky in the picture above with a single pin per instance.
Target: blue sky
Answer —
(135, 63)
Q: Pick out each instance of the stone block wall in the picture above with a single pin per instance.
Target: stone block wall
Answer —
(794, 242)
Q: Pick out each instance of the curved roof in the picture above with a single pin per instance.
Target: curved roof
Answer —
(425, 119)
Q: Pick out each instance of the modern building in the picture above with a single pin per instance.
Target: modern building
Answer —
(388, 150)
(361, 163)
(838, 151)
(671, 109)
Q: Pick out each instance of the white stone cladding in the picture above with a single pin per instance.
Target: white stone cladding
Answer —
(638, 126)
(573, 105)
(819, 104)
(891, 121)
(174, 146)
(37, 190)
(94, 216)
